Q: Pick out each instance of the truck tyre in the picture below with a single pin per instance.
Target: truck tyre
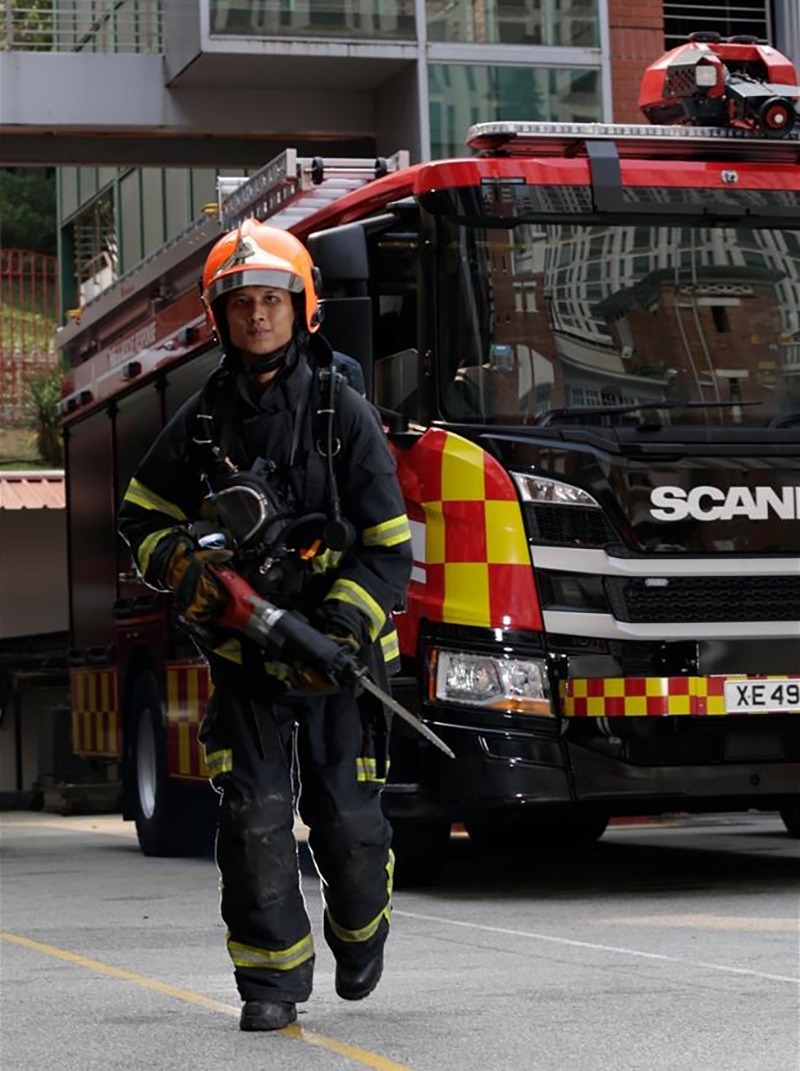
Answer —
(419, 847)
(791, 819)
(580, 830)
(171, 819)
(156, 810)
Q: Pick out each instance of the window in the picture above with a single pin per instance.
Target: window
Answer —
(394, 271)
(719, 314)
(515, 22)
(726, 17)
(332, 18)
(725, 331)
(459, 93)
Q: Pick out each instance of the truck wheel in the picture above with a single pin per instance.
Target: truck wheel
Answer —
(579, 830)
(171, 819)
(419, 847)
(156, 808)
(791, 819)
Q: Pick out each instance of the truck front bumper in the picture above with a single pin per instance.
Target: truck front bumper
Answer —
(498, 771)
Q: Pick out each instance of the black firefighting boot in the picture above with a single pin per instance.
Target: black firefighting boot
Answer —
(357, 983)
(266, 1015)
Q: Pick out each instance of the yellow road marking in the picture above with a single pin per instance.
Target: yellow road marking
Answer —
(710, 922)
(362, 1056)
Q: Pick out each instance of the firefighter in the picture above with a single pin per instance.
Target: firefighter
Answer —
(276, 416)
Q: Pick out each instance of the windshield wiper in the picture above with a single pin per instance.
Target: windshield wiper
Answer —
(784, 420)
(576, 411)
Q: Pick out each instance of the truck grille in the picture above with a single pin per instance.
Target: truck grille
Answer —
(572, 526)
(711, 598)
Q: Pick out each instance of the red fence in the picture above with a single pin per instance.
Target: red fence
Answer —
(28, 318)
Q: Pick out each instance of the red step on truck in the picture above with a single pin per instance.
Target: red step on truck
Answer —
(585, 343)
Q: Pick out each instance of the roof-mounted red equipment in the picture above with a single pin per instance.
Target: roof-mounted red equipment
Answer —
(734, 83)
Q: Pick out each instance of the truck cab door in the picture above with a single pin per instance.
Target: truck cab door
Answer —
(370, 280)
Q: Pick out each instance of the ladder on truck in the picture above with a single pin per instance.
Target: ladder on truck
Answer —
(291, 188)
(285, 191)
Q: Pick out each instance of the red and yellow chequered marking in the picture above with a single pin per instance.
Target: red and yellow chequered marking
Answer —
(95, 712)
(188, 690)
(641, 697)
(477, 561)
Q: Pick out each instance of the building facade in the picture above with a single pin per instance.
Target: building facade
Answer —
(353, 77)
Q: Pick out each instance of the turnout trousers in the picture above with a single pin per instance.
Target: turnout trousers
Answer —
(264, 758)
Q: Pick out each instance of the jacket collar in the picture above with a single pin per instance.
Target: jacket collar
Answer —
(283, 392)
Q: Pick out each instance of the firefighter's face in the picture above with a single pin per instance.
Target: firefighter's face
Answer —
(260, 320)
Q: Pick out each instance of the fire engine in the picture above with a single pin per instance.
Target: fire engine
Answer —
(584, 341)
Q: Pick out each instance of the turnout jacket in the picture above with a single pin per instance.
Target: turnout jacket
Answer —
(168, 490)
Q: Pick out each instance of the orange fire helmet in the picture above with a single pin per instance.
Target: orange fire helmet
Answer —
(256, 254)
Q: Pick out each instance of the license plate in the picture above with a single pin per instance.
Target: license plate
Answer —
(763, 695)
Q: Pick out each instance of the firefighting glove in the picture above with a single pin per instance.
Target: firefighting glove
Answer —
(311, 681)
(337, 626)
(199, 597)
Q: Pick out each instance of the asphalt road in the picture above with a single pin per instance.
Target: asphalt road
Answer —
(662, 947)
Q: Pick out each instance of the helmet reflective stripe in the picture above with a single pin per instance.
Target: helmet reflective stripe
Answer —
(281, 280)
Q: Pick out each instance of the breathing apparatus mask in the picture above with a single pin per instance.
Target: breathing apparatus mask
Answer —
(273, 544)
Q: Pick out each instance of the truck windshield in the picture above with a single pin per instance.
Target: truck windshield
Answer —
(544, 318)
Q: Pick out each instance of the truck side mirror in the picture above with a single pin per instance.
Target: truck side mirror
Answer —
(341, 256)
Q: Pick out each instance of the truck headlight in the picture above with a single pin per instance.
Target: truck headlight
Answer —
(543, 490)
(491, 682)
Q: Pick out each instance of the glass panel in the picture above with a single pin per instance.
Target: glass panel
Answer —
(176, 183)
(463, 95)
(709, 316)
(130, 205)
(94, 246)
(152, 208)
(394, 264)
(87, 183)
(316, 18)
(204, 189)
(515, 22)
(69, 190)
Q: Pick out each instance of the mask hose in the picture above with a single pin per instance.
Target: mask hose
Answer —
(338, 533)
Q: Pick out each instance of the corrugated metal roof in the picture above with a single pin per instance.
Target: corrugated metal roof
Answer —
(32, 490)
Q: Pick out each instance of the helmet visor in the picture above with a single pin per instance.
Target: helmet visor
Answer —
(235, 280)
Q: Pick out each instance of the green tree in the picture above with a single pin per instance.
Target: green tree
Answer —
(43, 397)
(28, 209)
(27, 26)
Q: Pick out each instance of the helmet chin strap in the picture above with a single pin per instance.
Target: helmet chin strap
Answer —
(270, 362)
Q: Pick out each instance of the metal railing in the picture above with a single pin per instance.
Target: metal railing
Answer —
(28, 301)
(682, 17)
(81, 26)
